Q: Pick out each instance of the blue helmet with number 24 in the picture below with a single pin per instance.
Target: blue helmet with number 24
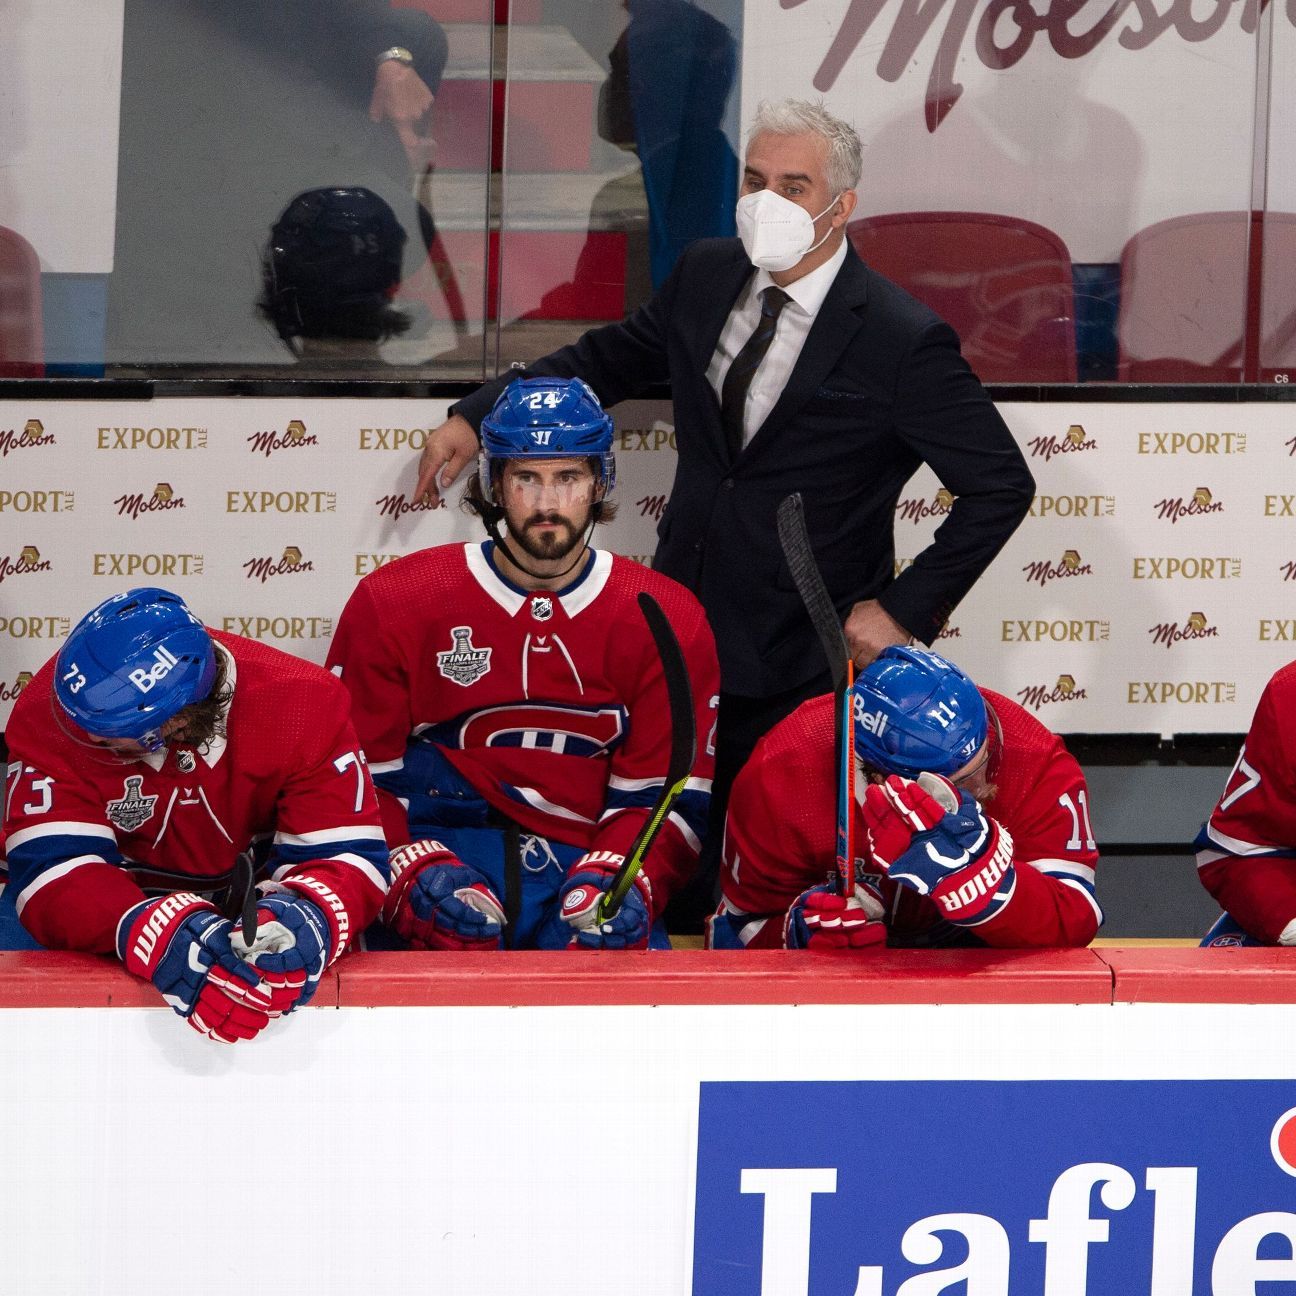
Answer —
(915, 711)
(132, 663)
(547, 418)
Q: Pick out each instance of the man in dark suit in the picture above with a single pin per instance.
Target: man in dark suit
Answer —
(810, 373)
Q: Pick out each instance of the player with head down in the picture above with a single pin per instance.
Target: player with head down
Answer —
(155, 765)
(512, 702)
(974, 820)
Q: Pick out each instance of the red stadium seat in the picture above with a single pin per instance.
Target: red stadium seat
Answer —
(1209, 297)
(22, 347)
(1004, 285)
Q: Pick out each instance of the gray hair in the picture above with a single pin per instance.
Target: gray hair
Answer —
(801, 117)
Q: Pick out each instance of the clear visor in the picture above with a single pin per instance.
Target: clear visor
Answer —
(537, 496)
(109, 750)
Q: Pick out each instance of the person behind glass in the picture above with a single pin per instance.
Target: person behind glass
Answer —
(971, 824)
(794, 367)
(513, 706)
(153, 763)
(329, 272)
(1246, 850)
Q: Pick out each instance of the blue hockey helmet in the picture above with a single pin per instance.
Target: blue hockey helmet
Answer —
(915, 711)
(547, 418)
(131, 663)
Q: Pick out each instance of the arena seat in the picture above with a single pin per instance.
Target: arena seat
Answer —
(1209, 297)
(1003, 283)
(22, 345)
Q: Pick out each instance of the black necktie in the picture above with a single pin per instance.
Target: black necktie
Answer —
(733, 391)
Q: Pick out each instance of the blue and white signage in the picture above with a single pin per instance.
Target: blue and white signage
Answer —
(1011, 1188)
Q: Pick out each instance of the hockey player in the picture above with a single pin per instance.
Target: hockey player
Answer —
(1246, 850)
(146, 757)
(972, 826)
(512, 703)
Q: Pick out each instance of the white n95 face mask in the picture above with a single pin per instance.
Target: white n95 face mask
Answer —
(776, 232)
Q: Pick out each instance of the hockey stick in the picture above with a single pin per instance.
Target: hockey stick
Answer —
(823, 616)
(244, 881)
(679, 697)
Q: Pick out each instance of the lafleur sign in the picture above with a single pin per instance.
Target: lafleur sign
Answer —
(1096, 1188)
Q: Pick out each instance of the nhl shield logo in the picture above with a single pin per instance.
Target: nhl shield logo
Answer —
(133, 809)
(463, 664)
(541, 607)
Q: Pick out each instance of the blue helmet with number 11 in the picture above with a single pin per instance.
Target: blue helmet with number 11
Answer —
(915, 711)
(547, 418)
(132, 663)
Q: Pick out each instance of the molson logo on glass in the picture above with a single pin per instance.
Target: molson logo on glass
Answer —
(919, 510)
(398, 505)
(1076, 1188)
(281, 629)
(651, 506)
(28, 562)
(1174, 510)
(32, 435)
(163, 500)
(9, 692)
(1075, 440)
(1042, 570)
(1037, 696)
(1168, 633)
(289, 563)
(293, 437)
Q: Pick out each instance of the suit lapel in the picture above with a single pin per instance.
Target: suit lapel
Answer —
(837, 322)
(714, 300)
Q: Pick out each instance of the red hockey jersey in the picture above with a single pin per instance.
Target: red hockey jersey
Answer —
(87, 832)
(547, 707)
(1246, 853)
(780, 836)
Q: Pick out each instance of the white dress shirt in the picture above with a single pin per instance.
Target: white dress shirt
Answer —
(807, 294)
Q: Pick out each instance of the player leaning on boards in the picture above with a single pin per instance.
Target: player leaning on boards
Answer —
(975, 820)
(147, 757)
(1246, 850)
(512, 704)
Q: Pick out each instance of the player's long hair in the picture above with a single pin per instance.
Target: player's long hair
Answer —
(204, 721)
(473, 501)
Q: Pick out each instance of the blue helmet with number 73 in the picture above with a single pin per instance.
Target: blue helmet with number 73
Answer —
(132, 663)
(915, 711)
(547, 418)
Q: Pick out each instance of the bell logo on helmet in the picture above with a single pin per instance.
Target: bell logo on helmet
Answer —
(874, 722)
(144, 678)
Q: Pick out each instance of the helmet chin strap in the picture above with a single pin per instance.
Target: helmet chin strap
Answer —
(498, 537)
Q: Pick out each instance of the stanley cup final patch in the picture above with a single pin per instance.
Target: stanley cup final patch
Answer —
(133, 809)
(463, 664)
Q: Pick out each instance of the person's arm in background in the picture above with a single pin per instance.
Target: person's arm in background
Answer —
(1246, 850)
(947, 417)
(619, 361)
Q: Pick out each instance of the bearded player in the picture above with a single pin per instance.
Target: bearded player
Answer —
(1246, 850)
(974, 821)
(513, 707)
(151, 760)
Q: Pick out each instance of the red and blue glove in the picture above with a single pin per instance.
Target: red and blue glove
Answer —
(294, 944)
(937, 840)
(822, 920)
(182, 944)
(437, 902)
(575, 924)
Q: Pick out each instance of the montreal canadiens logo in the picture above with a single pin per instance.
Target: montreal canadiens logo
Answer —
(463, 664)
(133, 809)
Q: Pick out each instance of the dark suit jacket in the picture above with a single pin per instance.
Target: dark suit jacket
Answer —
(879, 387)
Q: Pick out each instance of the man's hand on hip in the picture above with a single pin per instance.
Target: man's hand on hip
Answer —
(870, 628)
(449, 450)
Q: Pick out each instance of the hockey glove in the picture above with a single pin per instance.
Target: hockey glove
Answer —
(821, 920)
(575, 925)
(292, 948)
(935, 839)
(437, 902)
(182, 944)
